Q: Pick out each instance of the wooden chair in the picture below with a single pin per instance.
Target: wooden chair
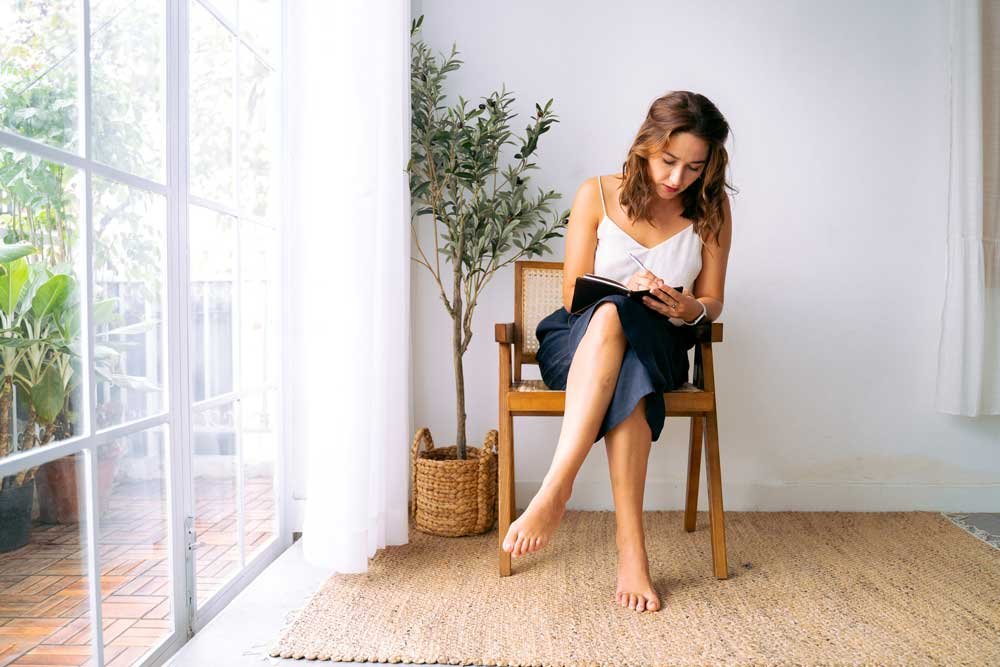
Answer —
(538, 292)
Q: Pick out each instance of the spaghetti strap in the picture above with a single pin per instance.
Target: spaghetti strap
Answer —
(601, 189)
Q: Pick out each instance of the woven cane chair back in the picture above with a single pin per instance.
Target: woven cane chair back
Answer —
(538, 292)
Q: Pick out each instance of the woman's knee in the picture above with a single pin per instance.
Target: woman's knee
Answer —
(606, 322)
(639, 413)
(635, 424)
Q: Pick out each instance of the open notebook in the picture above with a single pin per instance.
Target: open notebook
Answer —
(591, 287)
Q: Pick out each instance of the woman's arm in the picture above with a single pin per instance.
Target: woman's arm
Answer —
(581, 237)
(710, 285)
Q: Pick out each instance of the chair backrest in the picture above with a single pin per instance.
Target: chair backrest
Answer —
(537, 292)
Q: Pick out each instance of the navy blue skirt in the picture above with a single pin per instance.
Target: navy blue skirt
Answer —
(655, 361)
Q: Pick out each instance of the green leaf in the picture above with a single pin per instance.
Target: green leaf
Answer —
(48, 396)
(12, 281)
(51, 296)
(14, 251)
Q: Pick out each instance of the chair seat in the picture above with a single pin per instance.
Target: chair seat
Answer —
(539, 385)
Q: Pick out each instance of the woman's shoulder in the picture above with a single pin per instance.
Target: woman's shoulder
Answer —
(608, 181)
(587, 209)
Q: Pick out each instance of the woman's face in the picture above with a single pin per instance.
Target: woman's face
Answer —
(678, 165)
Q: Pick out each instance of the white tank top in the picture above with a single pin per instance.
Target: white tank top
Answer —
(677, 260)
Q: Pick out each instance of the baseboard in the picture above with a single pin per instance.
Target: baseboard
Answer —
(839, 496)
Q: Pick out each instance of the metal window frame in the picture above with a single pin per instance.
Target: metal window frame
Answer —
(177, 453)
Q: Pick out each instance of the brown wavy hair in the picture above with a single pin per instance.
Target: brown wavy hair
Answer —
(703, 200)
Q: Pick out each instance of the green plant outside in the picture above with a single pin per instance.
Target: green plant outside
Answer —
(40, 226)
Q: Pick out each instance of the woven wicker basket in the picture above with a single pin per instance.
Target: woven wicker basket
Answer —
(451, 497)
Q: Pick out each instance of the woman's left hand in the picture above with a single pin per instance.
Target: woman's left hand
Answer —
(672, 303)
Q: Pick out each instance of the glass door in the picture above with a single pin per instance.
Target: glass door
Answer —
(232, 243)
(140, 458)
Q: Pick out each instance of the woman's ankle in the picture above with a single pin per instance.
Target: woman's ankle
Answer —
(560, 490)
(631, 543)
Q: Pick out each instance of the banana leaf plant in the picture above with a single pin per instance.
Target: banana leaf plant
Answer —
(40, 351)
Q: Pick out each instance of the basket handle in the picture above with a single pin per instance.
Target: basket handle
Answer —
(489, 443)
(489, 447)
(423, 435)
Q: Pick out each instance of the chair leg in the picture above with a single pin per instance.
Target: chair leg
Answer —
(713, 469)
(694, 471)
(505, 472)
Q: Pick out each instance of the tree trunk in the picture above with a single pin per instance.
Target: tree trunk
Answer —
(456, 332)
(6, 393)
(457, 317)
(459, 391)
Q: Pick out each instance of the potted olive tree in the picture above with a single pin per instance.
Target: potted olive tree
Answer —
(484, 219)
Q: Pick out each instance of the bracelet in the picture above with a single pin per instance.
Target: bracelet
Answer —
(704, 311)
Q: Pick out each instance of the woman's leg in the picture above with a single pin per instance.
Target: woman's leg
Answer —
(628, 446)
(590, 385)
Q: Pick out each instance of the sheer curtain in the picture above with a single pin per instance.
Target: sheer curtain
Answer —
(349, 274)
(968, 380)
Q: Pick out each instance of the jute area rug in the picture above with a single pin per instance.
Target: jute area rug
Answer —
(805, 588)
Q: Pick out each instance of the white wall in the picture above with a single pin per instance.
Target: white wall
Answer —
(835, 285)
(836, 277)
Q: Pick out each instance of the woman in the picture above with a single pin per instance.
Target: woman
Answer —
(616, 358)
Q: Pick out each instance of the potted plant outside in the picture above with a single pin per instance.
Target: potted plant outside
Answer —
(39, 351)
(38, 331)
(480, 213)
(40, 205)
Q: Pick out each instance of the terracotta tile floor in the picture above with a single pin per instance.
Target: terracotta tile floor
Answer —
(44, 612)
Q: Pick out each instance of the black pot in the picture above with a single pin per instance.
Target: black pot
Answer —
(15, 516)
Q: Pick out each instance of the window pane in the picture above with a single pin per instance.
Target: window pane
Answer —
(259, 25)
(212, 69)
(213, 269)
(260, 453)
(217, 552)
(225, 7)
(45, 608)
(40, 375)
(129, 252)
(258, 307)
(128, 85)
(134, 545)
(39, 50)
(256, 133)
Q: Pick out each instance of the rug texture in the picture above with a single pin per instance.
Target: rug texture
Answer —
(804, 588)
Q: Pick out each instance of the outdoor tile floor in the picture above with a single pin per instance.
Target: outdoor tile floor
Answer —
(44, 609)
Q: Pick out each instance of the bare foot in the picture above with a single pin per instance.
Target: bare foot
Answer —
(635, 590)
(532, 530)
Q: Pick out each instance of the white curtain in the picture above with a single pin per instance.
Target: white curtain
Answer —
(968, 381)
(349, 274)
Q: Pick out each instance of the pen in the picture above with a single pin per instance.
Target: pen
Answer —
(636, 260)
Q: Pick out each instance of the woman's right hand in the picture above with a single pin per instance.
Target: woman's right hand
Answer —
(643, 280)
